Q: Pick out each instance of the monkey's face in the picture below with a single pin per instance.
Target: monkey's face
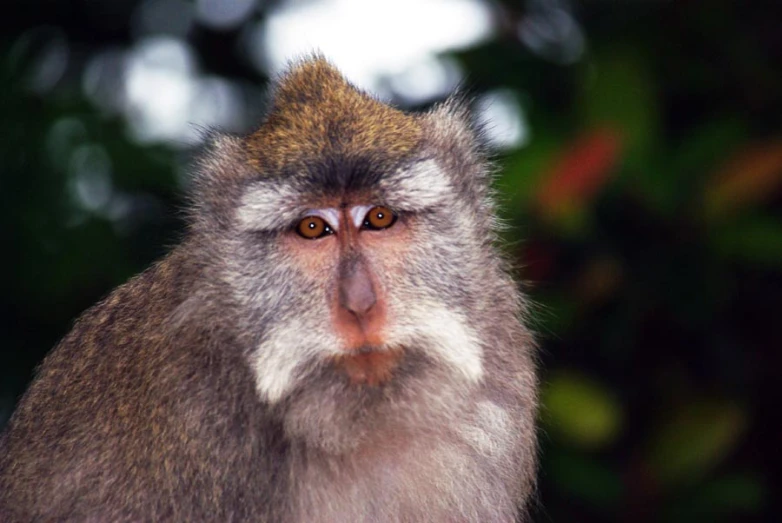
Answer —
(356, 277)
(360, 283)
(357, 246)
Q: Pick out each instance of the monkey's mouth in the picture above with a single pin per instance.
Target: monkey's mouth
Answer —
(371, 366)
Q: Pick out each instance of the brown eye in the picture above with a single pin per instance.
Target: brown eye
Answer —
(313, 227)
(379, 218)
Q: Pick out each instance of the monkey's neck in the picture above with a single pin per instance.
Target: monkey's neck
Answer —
(411, 476)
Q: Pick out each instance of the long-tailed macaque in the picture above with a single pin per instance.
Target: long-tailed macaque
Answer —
(336, 339)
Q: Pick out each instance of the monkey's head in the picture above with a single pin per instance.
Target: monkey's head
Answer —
(356, 241)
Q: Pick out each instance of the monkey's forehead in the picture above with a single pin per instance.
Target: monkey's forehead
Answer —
(316, 113)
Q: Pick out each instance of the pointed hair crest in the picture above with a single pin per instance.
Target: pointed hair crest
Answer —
(315, 113)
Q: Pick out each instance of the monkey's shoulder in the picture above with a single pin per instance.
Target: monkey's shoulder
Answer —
(133, 318)
(117, 359)
(133, 407)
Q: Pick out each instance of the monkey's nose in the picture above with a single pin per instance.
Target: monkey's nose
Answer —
(356, 293)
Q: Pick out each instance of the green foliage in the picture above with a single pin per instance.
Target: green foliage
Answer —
(580, 411)
(694, 439)
(586, 478)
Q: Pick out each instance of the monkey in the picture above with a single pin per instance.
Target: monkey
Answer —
(337, 337)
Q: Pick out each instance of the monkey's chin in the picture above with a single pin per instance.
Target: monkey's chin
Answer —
(369, 365)
(334, 408)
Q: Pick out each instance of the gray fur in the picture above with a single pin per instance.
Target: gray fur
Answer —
(205, 389)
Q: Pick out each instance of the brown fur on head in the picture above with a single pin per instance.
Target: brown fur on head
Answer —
(315, 116)
(316, 113)
(372, 374)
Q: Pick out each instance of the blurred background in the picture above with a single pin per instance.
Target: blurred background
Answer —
(641, 153)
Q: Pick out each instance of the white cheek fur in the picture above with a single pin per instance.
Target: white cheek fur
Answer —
(288, 345)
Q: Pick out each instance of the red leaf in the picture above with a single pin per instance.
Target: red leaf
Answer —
(584, 168)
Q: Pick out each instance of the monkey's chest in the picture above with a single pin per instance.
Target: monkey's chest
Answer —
(422, 481)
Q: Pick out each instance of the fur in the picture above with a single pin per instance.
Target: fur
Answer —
(210, 387)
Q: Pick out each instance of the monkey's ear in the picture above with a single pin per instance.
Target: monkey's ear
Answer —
(217, 177)
(458, 140)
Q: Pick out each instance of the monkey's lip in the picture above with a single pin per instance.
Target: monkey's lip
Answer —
(365, 349)
(370, 365)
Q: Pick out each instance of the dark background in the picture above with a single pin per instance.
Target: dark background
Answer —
(644, 199)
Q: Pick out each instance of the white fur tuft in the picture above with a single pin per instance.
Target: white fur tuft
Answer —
(420, 187)
(268, 206)
(283, 349)
(445, 332)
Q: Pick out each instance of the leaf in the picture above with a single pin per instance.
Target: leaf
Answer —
(524, 169)
(694, 439)
(756, 240)
(581, 411)
(751, 176)
(583, 168)
(675, 184)
(618, 94)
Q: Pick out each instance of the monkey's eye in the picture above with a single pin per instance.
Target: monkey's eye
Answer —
(379, 218)
(313, 227)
